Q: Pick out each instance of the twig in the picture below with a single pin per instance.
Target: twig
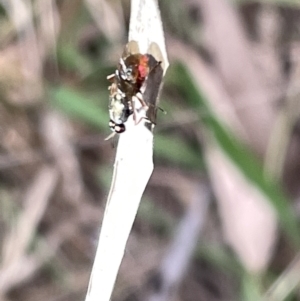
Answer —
(132, 169)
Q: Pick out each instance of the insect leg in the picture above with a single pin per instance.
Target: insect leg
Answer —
(143, 103)
(111, 77)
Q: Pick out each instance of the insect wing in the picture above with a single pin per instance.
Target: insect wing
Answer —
(152, 88)
(131, 47)
(155, 51)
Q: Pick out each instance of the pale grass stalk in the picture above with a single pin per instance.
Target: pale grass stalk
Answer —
(286, 283)
(17, 241)
(132, 169)
(109, 20)
(180, 253)
(20, 12)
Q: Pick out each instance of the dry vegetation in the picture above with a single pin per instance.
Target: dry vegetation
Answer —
(219, 218)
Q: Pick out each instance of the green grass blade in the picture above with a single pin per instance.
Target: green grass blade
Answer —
(77, 105)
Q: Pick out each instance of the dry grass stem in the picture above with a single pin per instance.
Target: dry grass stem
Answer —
(57, 132)
(17, 241)
(242, 204)
(180, 253)
(286, 283)
(132, 169)
(241, 78)
(107, 19)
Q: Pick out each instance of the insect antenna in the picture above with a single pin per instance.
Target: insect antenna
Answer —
(157, 107)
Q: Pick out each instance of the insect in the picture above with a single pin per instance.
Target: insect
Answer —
(128, 84)
(130, 76)
(132, 72)
(119, 109)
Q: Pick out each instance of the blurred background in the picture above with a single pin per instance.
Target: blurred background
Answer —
(219, 220)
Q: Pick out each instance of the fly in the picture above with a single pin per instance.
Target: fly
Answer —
(119, 110)
(128, 83)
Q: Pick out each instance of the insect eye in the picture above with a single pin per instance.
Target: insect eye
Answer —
(120, 128)
(126, 73)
